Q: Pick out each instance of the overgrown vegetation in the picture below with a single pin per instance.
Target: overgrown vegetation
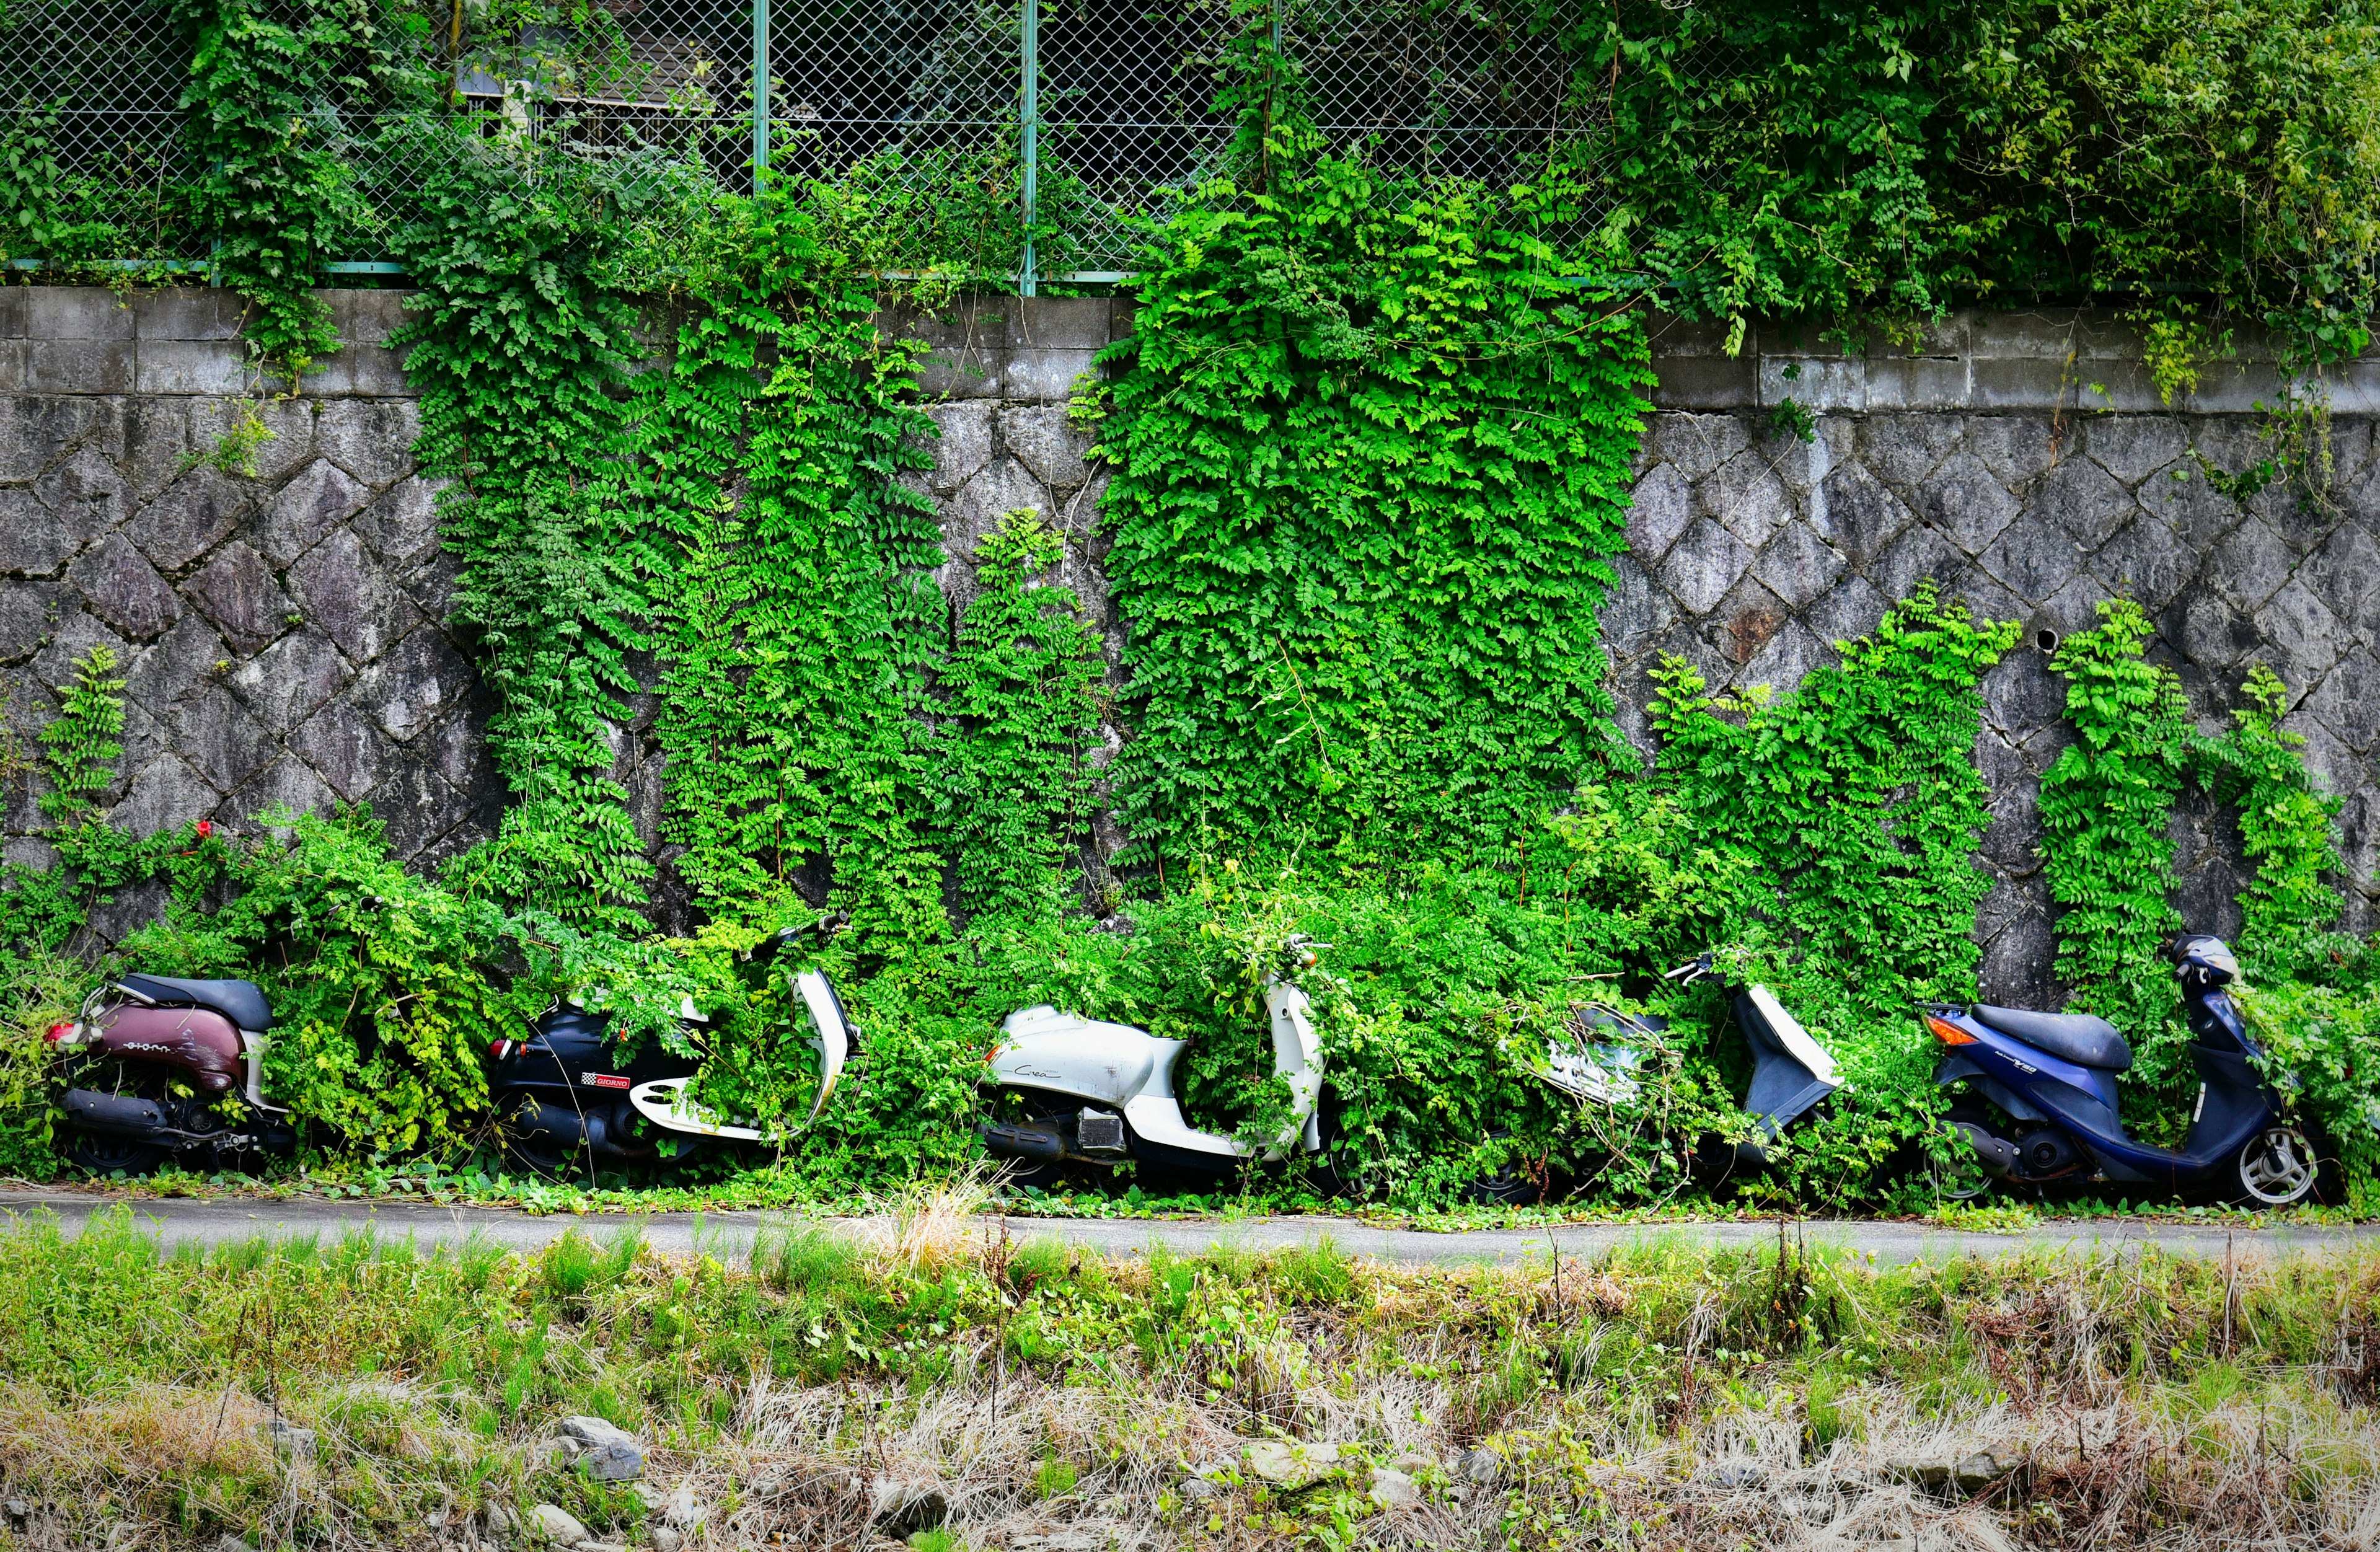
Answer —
(1367, 453)
(1668, 1395)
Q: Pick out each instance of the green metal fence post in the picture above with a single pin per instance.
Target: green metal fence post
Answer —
(1029, 110)
(760, 92)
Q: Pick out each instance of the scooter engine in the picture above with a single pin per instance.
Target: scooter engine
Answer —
(2049, 1153)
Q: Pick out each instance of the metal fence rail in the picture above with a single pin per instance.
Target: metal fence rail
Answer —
(1030, 138)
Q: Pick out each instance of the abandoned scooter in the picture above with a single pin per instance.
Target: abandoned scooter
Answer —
(1099, 1094)
(1604, 1049)
(160, 1068)
(2041, 1100)
(563, 1088)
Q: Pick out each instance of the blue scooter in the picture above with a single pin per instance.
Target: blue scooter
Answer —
(2043, 1103)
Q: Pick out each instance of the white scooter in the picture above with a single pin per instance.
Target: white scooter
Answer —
(1100, 1094)
(665, 1103)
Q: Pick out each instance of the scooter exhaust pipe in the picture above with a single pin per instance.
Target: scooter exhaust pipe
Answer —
(116, 1116)
(1997, 1155)
(599, 1131)
(1034, 1144)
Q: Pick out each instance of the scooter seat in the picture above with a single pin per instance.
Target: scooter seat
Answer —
(2085, 1039)
(242, 1001)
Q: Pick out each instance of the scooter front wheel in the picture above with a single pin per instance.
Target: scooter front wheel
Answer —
(2276, 1169)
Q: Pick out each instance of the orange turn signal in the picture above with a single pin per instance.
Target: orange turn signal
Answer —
(1948, 1034)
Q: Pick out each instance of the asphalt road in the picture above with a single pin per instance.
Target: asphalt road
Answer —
(730, 1235)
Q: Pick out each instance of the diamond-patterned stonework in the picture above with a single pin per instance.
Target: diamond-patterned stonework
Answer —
(284, 641)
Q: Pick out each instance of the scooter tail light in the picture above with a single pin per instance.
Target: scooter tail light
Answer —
(500, 1048)
(61, 1033)
(1948, 1033)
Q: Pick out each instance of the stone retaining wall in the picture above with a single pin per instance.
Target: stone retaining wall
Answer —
(282, 640)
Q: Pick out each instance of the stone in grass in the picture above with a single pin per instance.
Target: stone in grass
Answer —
(289, 1439)
(606, 1452)
(1291, 1464)
(1481, 1468)
(551, 1523)
(902, 1509)
(1394, 1489)
(664, 1538)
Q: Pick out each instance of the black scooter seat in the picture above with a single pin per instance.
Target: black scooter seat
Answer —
(2085, 1039)
(242, 1001)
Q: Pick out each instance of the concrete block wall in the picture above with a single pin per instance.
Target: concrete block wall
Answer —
(281, 635)
(284, 641)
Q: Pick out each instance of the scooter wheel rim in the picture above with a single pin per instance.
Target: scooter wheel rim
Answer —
(2278, 1167)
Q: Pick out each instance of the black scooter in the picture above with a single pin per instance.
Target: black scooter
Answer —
(2038, 1103)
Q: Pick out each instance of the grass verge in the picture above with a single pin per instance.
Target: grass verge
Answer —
(826, 1391)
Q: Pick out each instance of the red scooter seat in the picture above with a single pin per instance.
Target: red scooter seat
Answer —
(242, 1001)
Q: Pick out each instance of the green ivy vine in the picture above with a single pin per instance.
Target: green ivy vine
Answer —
(520, 351)
(1369, 449)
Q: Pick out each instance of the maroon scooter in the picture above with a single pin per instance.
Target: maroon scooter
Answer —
(157, 1068)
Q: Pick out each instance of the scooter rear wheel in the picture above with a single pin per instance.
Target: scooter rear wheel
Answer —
(2276, 1169)
(109, 1156)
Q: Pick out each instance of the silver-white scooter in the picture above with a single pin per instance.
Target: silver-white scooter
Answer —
(1100, 1094)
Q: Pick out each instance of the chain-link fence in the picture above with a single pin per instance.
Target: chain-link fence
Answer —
(1030, 139)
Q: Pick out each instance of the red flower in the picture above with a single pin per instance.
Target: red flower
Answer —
(206, 827)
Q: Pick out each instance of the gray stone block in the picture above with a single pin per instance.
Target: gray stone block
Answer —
(2345, 574)
(1797, 565)
(2147, 562)
(2180, 494)
(235, 589)
(965, 445)
(350, 598)
(1042, 438)
(371, 439)
(1859, 513)
(1633, 610)
(1922, 383)
(76, 632)
(2348, 699)
(365, 317)
(188, 312)
(286, 787)
(1919, 554)
(1849, 610)
(2013, 448)
(284, 683)
(1746, 494)
(34, 540)
(85, 490)
(346, 749)
(2085, 498)
(1964, 501)
(1660, 507)
(193, 515)
(1901, 450)
(166, 796)
(1056, 322)
(1043, 375)
(12, 366)
(189, 367)
(222, 737)
(13, 305)
(124, 589)
(77, 313)
(961, 372)
(402, 524)
(185, 658)
(156, 445)
(28, 610)
(2133, 447)
(78, 365)
(1706, 383)
(320, 496)
(2250, 564)
(1787, 660)
(414, 684)
(420, 810)
(2304, 632)
(1814, 384)
(1702, 564)
(1698, 444)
